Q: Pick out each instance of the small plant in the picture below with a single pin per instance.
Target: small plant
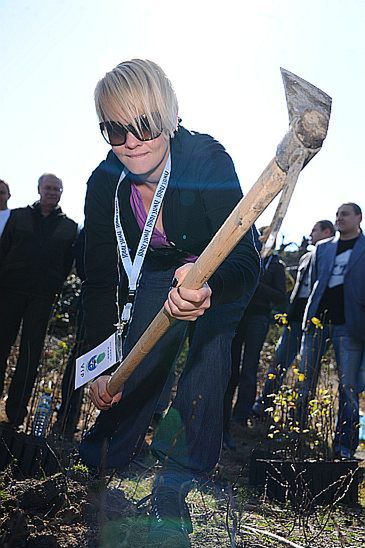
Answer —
(80, 468)
(314, 434)
(4, 495)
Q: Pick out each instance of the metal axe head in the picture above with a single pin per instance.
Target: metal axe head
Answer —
(302, 96)
(309, 110)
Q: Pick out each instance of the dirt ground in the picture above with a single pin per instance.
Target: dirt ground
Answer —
(71, 508)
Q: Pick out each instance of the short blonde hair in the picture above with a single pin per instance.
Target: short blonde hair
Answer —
(134, 88)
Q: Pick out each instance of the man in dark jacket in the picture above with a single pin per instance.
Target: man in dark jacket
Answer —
(336, 311)
(35, 259)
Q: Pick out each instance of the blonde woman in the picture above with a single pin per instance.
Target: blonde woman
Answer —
(183, 185)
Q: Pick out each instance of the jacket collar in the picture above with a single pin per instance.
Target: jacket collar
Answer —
(57, 211)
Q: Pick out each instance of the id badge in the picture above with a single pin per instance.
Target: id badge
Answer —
(98, 360)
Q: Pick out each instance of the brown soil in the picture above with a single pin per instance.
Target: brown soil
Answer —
(72, 509)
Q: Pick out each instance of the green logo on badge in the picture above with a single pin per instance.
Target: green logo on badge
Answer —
(95, 360)
(100, 358)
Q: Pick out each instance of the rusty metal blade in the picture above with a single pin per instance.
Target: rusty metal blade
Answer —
(301, 96)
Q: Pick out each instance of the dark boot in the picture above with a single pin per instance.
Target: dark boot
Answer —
(170, 522)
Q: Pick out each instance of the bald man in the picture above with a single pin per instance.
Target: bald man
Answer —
(35, 259)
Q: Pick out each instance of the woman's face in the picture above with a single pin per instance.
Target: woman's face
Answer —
(146, 159)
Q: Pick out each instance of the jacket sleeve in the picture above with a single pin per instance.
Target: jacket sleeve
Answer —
(101, 260)
(221, 191)
(69, 252)
(78, 253)
(275, 293)
(313, 267)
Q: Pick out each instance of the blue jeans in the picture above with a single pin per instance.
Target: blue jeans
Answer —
(251, 333)
(286, 350)
(188, 440)
(348, 352)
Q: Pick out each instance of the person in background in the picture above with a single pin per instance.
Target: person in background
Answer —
(288, 346)
(4, 210)
(35, 259)
(250, 337)
(336, 311)
(152, 154)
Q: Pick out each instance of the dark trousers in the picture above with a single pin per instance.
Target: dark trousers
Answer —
(69, 412)
(251, 334)
(33, 312)
(190, 435)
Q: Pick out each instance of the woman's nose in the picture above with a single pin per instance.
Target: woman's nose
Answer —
(131, 141)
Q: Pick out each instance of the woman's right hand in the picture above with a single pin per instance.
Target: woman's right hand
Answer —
(99, 394)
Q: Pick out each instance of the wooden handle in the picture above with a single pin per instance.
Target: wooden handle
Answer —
(282, 208)
(233, 229)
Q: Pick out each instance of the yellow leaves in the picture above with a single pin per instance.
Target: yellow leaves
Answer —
(281, 319)
(283, 411)
(62, 345)
(271, 435)
(317, 322)
(297, 372)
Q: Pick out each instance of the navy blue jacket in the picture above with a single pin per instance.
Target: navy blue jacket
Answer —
(354, 284)
(202, 192)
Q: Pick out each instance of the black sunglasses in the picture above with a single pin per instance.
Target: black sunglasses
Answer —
(115, 134)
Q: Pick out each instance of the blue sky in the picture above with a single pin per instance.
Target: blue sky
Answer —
(224, 60)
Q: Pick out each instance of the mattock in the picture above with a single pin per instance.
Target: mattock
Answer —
(309, 111)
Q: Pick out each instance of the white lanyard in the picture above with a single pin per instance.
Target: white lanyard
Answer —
(133, 270)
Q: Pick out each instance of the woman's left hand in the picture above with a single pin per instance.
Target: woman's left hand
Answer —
(187, 304)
